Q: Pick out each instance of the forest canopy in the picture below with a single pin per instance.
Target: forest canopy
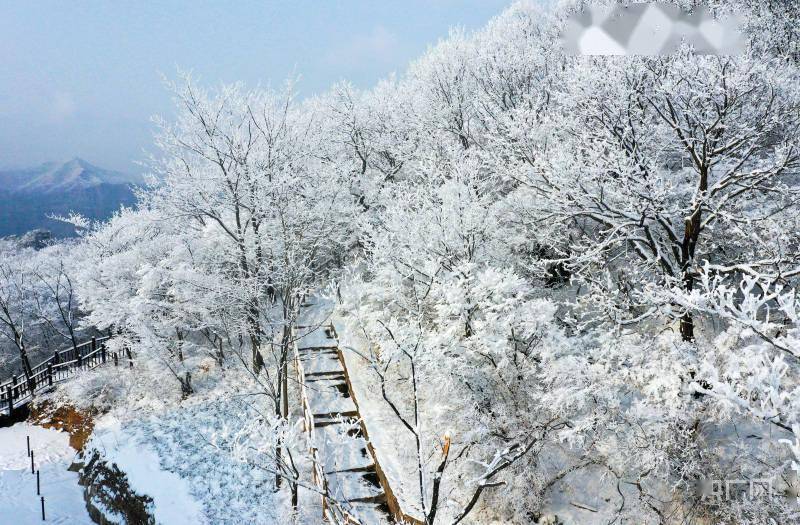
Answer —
(582, 270)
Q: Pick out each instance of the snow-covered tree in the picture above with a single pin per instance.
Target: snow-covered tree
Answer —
(666, 163)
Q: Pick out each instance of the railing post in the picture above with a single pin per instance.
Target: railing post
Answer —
(103, 352)
(49, 374)
(55, 357)
(116, 358)
(78, 357)
(130, 356)
(10, 395)
(94, 343)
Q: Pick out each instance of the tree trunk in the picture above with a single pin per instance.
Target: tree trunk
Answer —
(687, 327)
(220, 354)
(285, 371)
(26, 362)
(687, 321)
(254, 332)
(278, 448)
(186, 385)
(691, 235)
(282, 406)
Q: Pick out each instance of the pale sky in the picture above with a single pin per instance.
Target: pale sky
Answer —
(83, 78)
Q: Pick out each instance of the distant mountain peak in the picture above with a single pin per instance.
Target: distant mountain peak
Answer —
(74, 174)
(29, 197)
(77, 161)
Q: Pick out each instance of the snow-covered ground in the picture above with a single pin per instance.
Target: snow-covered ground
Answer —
(19, 504)
(172, 500)
(189, 456)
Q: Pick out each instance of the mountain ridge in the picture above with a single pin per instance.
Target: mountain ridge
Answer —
(74, 174)
(28, 197)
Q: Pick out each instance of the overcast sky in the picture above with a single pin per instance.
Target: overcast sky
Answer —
(83, 78)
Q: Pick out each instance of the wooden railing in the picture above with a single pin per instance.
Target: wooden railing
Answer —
(317, 473)
(20, 389)
(400, 514)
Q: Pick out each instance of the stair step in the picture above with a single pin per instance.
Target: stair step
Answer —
(330, 374)
(325, 378)
(326, 423)
(316, 351)
(377, 499)
(329, 422)
(334, 415)
(374, 512)
(330, 383)
(366, 468)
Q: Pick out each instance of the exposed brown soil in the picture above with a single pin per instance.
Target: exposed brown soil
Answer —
(78, 424)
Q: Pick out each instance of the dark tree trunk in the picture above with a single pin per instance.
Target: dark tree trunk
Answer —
(186, 385)
(687, 327)
(26, 362)
(691, 235)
